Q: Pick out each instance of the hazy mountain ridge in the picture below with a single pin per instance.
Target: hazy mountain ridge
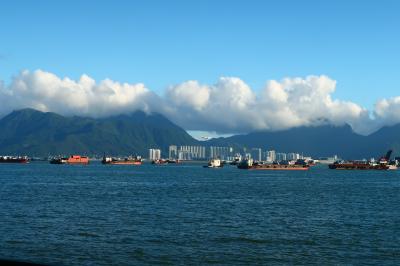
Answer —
(321, 141)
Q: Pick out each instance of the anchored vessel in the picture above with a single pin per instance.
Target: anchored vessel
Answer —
(160, 162)
(173, 161)
(383, 163)
(131, 160)
(73, 159)
(214, 163)
(14, 159)
(251, 165)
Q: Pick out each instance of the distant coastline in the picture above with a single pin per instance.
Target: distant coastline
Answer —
(38, 134)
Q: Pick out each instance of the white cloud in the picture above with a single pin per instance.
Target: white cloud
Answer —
(228, 106)
(189, 94)
(47, 92)
(232, 106)
(387, 111)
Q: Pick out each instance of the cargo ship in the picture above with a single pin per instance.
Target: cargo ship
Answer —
(383, 163)
(165, 161)
(249, 164)
(14, 159)
(73, 159)
(131, 160)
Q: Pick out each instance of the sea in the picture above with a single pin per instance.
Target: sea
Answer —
(185, 214)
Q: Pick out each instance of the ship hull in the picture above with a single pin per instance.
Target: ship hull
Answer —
(281, 168)
(274, 167)
(361, 168)
(74, 163)
(123, 163)
(55, 161)
(14, 161)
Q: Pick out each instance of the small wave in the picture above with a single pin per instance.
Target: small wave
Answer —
(15, 242)
(138, 254)
(241, 239)
(88, 234)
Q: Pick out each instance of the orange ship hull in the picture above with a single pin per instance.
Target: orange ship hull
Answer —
(76, 159)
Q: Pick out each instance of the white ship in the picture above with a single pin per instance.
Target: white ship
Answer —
(214, 163)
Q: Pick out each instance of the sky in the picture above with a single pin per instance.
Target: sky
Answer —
(164, 44)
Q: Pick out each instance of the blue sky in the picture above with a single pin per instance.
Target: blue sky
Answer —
(161, 43)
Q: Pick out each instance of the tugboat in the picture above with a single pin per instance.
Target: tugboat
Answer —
(382, 164)
(249, 164)
(236, 160)
(131, 160)
(214, 163)
(73, 159)
(14, 159)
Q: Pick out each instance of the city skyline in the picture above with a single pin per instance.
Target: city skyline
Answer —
(196, 152)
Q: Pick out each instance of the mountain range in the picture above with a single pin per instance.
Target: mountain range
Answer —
(321, 141)
(36, 133)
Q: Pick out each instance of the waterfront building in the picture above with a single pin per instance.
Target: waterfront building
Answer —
(184, 156)
(192, 152)
(256, 154)
(223, 153)
(154, 154)
(173, 152)
(280, 156)
(293, 156)
(187, 152)
(271, 156)
(328, 160)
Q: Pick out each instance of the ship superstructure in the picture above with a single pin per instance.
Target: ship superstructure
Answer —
(14, 159)
(249, 164)
(131, 160)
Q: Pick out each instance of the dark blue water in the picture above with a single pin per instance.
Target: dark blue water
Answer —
(126, 215)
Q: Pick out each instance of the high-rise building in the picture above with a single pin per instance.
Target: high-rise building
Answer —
(173, 152)
(293, 156)
(256, 154)
(154, 154)
(191, 152)
(271, 156)
(223, 153)
(280, 156)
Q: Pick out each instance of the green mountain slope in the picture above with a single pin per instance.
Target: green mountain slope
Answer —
(37, 133)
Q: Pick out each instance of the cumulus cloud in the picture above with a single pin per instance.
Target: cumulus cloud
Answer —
(308, 101)
(47, 92)
(387, 111)
(189, 94)
(228, 106)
